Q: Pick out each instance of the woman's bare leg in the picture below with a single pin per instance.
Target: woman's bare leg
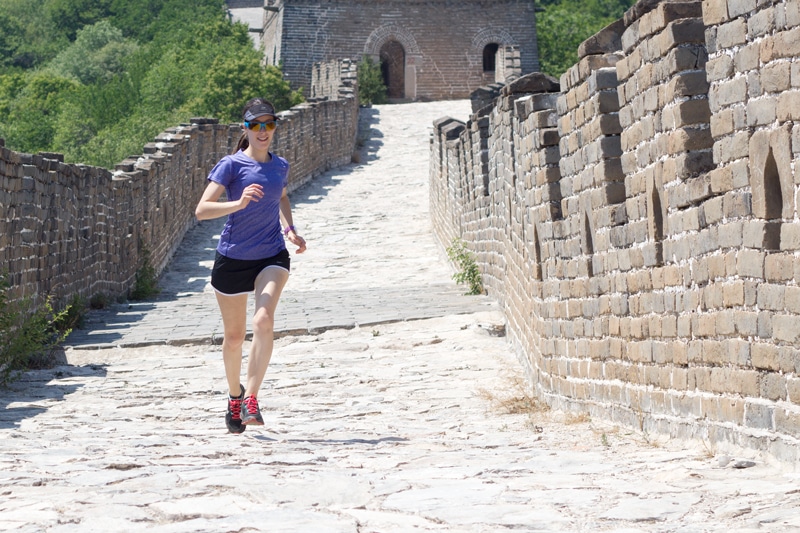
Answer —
(234, 323)
(269, 284)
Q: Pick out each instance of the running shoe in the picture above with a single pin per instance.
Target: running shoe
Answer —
(233, 416)
(251, 415)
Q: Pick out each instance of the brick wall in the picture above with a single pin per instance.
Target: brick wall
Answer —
(74, 230)
(638, 221)
(443, 40)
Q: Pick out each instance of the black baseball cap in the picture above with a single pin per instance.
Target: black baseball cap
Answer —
(259, 109)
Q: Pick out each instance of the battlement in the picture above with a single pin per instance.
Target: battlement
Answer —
(638, 221)
(75, 230)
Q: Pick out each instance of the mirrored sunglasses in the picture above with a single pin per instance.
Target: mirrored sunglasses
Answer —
(261, 126)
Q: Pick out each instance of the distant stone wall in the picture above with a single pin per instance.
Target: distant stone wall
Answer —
(638, 221)
(436, 47)
(74, 230)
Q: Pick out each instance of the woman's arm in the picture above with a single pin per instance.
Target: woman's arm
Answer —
(286, 219)
(209, 207)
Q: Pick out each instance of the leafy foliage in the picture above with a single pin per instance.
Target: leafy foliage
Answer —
(565, 24)
(230, 82)
(371, 89)
(146, 284)
(10, 39)
(468, 271)
(33, 112)
(28, 338)
(96, 56)
(98, 79)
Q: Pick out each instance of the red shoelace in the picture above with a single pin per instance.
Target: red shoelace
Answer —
(235, 406)
(252, 404)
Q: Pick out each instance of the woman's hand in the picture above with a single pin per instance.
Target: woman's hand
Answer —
(250, 193)
(297, 240)
(209, 206)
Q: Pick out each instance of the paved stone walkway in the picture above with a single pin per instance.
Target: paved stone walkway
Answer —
(371, 256)
(375, 422)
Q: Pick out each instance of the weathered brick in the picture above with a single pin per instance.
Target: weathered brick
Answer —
(776, 77)
(773, 387)
(715, 11)
(732, 33)
(759, 416)
(740, 7)
(733, 294)
(770, 296)
(746, 323)
(727, 92)
(750, 263)
(787, 421)
(764, 356)
(761, 112)
(778, 267)
(786, 328)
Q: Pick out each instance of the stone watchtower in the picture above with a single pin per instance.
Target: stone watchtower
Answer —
(428, 49)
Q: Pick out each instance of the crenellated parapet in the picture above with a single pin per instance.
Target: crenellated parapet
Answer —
(71, 230)
(642, 234)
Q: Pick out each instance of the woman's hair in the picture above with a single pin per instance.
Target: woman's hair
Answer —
(243, 143)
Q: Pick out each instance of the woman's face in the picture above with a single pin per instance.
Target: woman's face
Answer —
(260, 131)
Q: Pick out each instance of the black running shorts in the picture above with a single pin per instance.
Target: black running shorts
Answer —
(238, 276)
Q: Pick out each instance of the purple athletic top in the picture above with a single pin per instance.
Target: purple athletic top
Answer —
(255, 231)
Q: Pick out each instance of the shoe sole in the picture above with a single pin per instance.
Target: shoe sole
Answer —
(252, 422)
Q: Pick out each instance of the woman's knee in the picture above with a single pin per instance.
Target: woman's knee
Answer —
(263, 322)
(234, 338)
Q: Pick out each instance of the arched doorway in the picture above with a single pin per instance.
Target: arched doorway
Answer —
(393, 67)
(490, 58)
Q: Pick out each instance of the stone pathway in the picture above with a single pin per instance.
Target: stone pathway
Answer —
(393, 403)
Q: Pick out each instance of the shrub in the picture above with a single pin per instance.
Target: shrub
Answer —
(371, 89)
(146, 284)
(28, 338)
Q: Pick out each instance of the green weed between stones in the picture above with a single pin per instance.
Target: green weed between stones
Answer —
(146, 284)
(468, 271)
(28, 337)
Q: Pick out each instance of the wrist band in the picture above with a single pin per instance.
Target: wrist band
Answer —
(287, 229)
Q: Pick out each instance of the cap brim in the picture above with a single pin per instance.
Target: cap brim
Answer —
(253, 116)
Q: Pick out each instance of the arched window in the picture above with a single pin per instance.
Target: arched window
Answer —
(490, 57)
(538, 267)
(657, 217)
(588, 243)
(773, 200)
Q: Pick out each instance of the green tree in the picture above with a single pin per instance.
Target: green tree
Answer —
(371, 89)
(233, 81)
(33, 114)
(97, 55)
(11, 38)
(69, 16)
(565, 24)
(35, 38)
(134, 68)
